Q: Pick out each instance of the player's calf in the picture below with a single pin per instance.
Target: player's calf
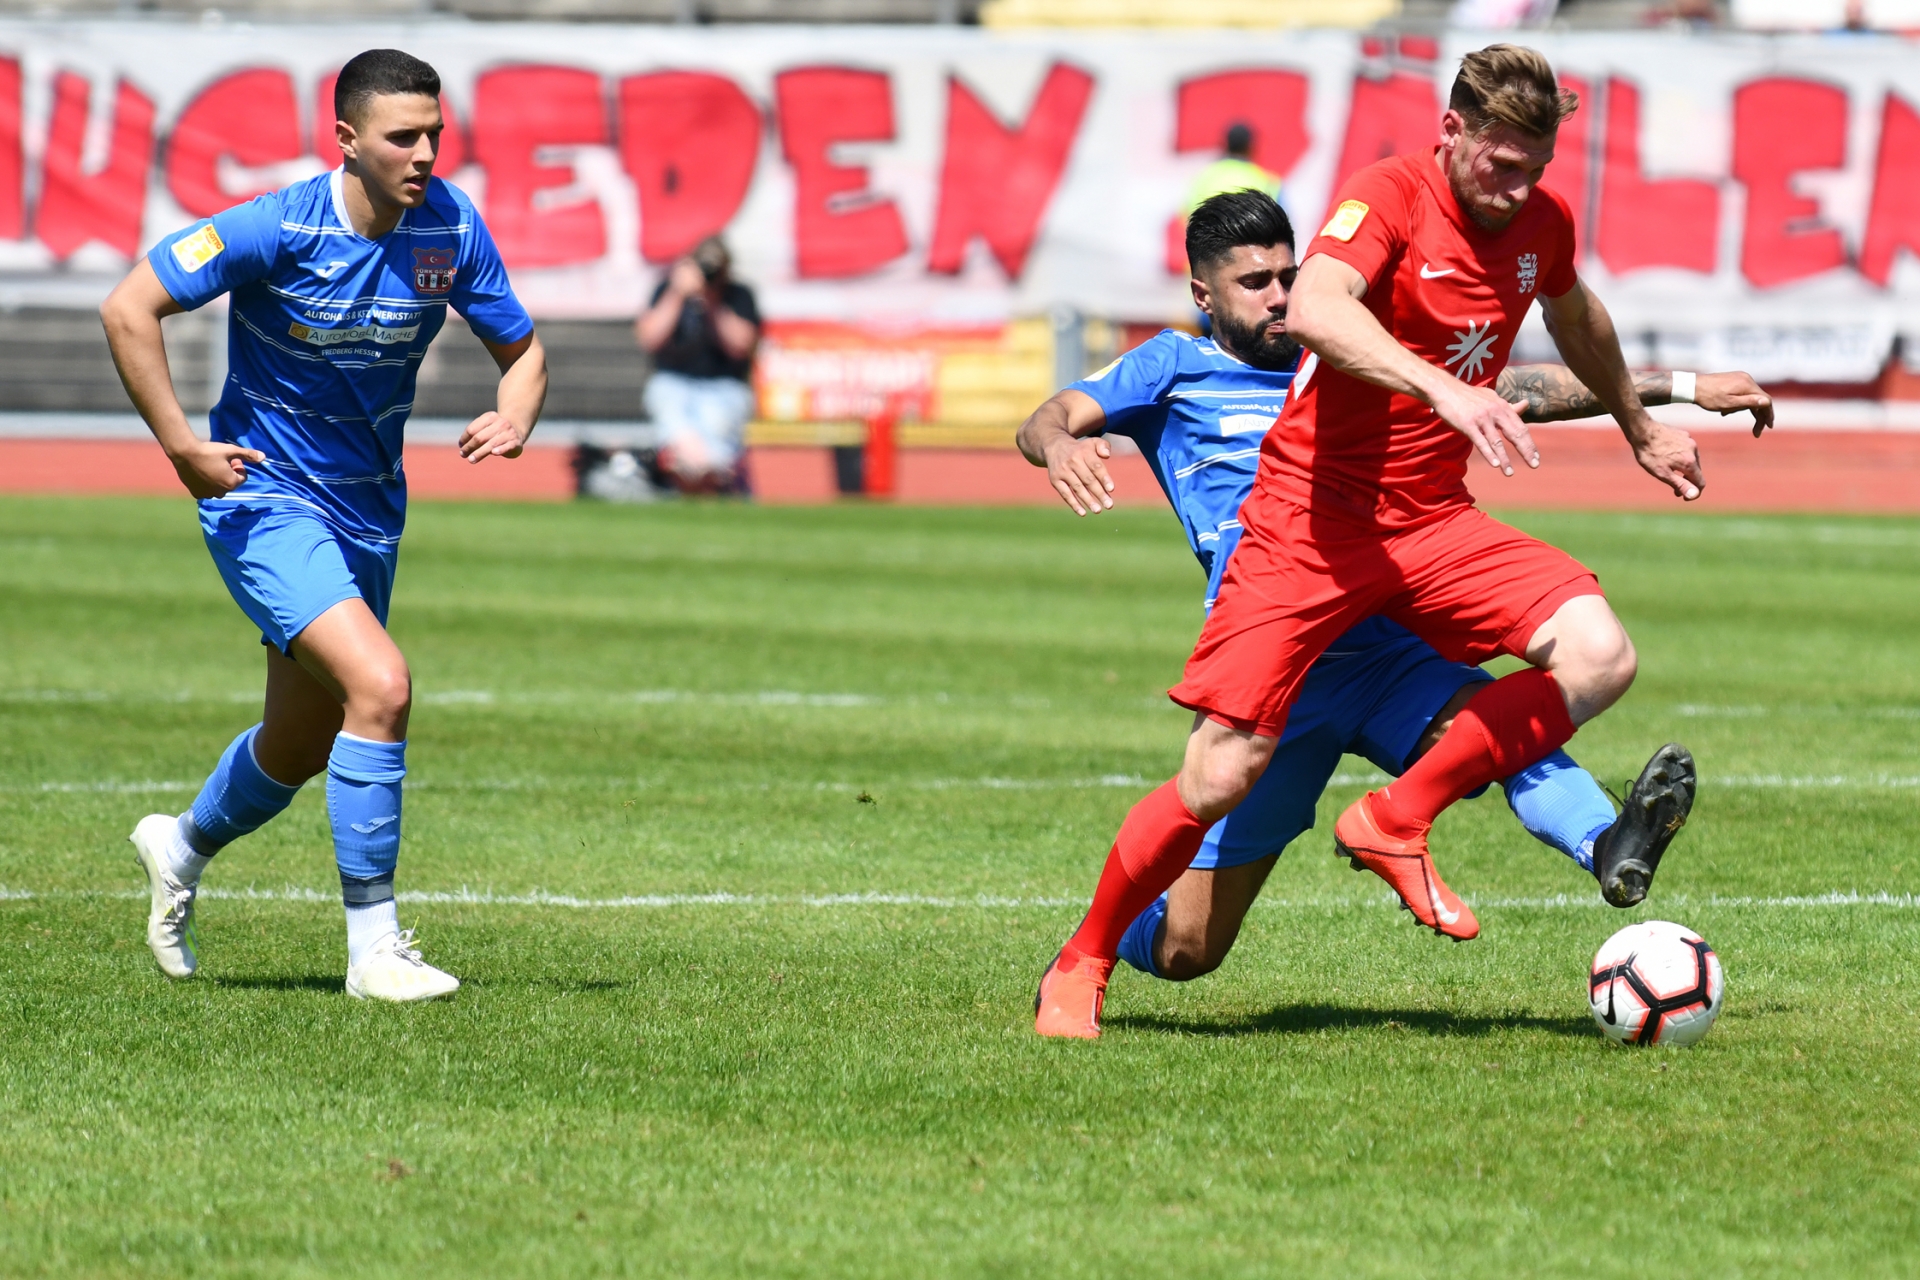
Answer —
(1560, 805)
(1189, 931)
(347, 650)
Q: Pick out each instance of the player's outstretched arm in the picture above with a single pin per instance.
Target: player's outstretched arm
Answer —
(1059, 436)
(1584, 332)
(1551, 393)
(132, 314)
(523, 391)
(1327, 317)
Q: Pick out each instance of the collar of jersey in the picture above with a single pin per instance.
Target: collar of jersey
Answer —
(339, 196)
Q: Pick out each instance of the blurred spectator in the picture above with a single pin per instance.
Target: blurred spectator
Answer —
(1234, 171)
(1502, 15)
(701, 327)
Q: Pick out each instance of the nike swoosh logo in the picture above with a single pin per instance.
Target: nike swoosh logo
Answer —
(1428, 273)
(368, 828)
(1446, 916)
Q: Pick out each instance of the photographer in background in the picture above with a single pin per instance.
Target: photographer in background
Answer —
(701, 327)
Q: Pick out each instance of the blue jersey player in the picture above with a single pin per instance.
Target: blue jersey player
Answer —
(1198, 409)
(337, 286)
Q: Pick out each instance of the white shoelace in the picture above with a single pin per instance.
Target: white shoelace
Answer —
(403, 947)
(179, 909)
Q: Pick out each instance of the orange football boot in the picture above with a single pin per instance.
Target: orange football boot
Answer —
(1406, 865)
(1071, 993)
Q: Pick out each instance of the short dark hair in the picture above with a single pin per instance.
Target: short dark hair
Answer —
(376, 72)
(1239, 138)
(1235, 218)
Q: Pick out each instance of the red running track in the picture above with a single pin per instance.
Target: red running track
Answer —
(1583, 468)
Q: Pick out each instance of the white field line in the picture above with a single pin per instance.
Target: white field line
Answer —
(978, 902)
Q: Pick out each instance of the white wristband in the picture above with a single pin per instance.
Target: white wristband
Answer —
(1682, 388)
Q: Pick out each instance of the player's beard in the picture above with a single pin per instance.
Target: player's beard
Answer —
(1252, 344)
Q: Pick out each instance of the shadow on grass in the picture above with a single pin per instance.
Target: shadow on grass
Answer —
(1303, 1019)
(302, 982)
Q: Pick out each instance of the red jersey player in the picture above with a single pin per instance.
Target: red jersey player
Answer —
(1408, 302)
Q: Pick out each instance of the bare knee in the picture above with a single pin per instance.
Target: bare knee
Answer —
(1599, 669)
(382, 698)
(1589, 653)
(1184, 959)
(1221, 767)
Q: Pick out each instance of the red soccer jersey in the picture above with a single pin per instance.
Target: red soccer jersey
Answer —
(1449, 292)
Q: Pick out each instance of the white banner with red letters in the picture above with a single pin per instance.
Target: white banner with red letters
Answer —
(1743, 200)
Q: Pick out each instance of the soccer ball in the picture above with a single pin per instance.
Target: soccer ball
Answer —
(1655, 983)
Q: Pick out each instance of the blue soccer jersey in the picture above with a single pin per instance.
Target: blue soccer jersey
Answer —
(327, 333)
(1199, 414)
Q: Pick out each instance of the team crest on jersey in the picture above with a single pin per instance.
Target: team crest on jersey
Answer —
(433, 270)
(1529, 271)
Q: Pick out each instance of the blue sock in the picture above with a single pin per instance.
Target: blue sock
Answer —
(1136, 944)
(1561, 804)
(363, 803)
(237, 799)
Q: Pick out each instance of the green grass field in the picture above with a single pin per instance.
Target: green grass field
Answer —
(722, 1017)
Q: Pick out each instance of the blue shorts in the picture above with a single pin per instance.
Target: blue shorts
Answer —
(1372, 700)
(285, 566)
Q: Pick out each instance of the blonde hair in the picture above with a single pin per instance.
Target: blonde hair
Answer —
(1512, 85)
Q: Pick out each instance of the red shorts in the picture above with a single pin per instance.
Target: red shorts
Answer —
(1466, 584)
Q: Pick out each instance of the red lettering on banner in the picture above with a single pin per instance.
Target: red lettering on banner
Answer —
(105, 205)
(517, 111)
(453, 150)
(689, 141)
(13, 196)
(1673, 222)
(1893, 215)
(840, 228)
(1571, 173)
(1782, 127)
(1272, 104)
(996, 182)
(1391, 117)
(325, 144)
(250, 116)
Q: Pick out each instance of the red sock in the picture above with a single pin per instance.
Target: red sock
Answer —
(1509, 725)
(1156, 843)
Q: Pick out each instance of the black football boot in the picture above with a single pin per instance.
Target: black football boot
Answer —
(1628, 853)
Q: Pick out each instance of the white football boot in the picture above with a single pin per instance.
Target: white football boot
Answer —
(170, 907)
(394, 971)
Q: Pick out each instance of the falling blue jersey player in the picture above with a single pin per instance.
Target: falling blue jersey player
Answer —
(337, 285)
(1198, 409)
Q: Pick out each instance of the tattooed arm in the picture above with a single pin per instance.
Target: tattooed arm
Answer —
(1553, 394)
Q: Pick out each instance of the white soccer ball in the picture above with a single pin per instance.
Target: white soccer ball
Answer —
(1655, 983)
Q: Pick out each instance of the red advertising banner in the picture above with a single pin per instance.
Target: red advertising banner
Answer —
(1743, 200)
